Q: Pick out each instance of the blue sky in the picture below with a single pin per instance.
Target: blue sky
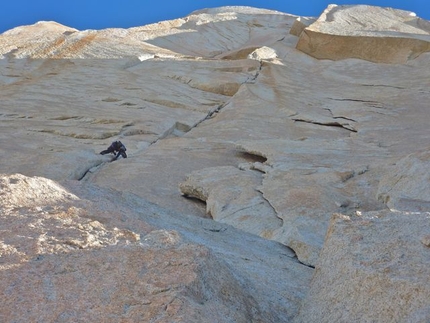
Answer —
(96, 14)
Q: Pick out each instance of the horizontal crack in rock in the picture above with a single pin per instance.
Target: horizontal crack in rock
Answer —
(328, 124)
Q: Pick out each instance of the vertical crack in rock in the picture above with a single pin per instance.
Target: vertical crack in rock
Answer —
(211, 114)
(270, 204)
(95, 168)
(218, 109)
(252, 79)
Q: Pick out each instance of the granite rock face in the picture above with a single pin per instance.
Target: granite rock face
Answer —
(73, 252)
(406, 187)
(381, 35)
(240, 149)
(373, 268)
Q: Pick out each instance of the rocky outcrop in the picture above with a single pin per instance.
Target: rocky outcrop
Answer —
(95, 253)
(300, 24)
(196, 35)
(381, 35)
(373, 268)
(231, 197)
(240, 149)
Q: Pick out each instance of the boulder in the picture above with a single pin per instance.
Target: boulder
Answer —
(263, 53)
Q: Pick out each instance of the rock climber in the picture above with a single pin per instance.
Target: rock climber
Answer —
(118, 148)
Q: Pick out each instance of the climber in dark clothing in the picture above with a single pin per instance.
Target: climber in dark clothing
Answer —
(116, 147)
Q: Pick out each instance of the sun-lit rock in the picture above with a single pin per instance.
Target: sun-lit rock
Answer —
(376, 34)
(300, 24)
(240, 148)
(127, 259)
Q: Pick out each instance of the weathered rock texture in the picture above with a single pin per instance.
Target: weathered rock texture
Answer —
(108, 256)
(381, 35)
(373, 268)
(407, 186)
(240, 149)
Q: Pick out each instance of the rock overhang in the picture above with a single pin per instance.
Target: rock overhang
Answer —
(376, 34)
